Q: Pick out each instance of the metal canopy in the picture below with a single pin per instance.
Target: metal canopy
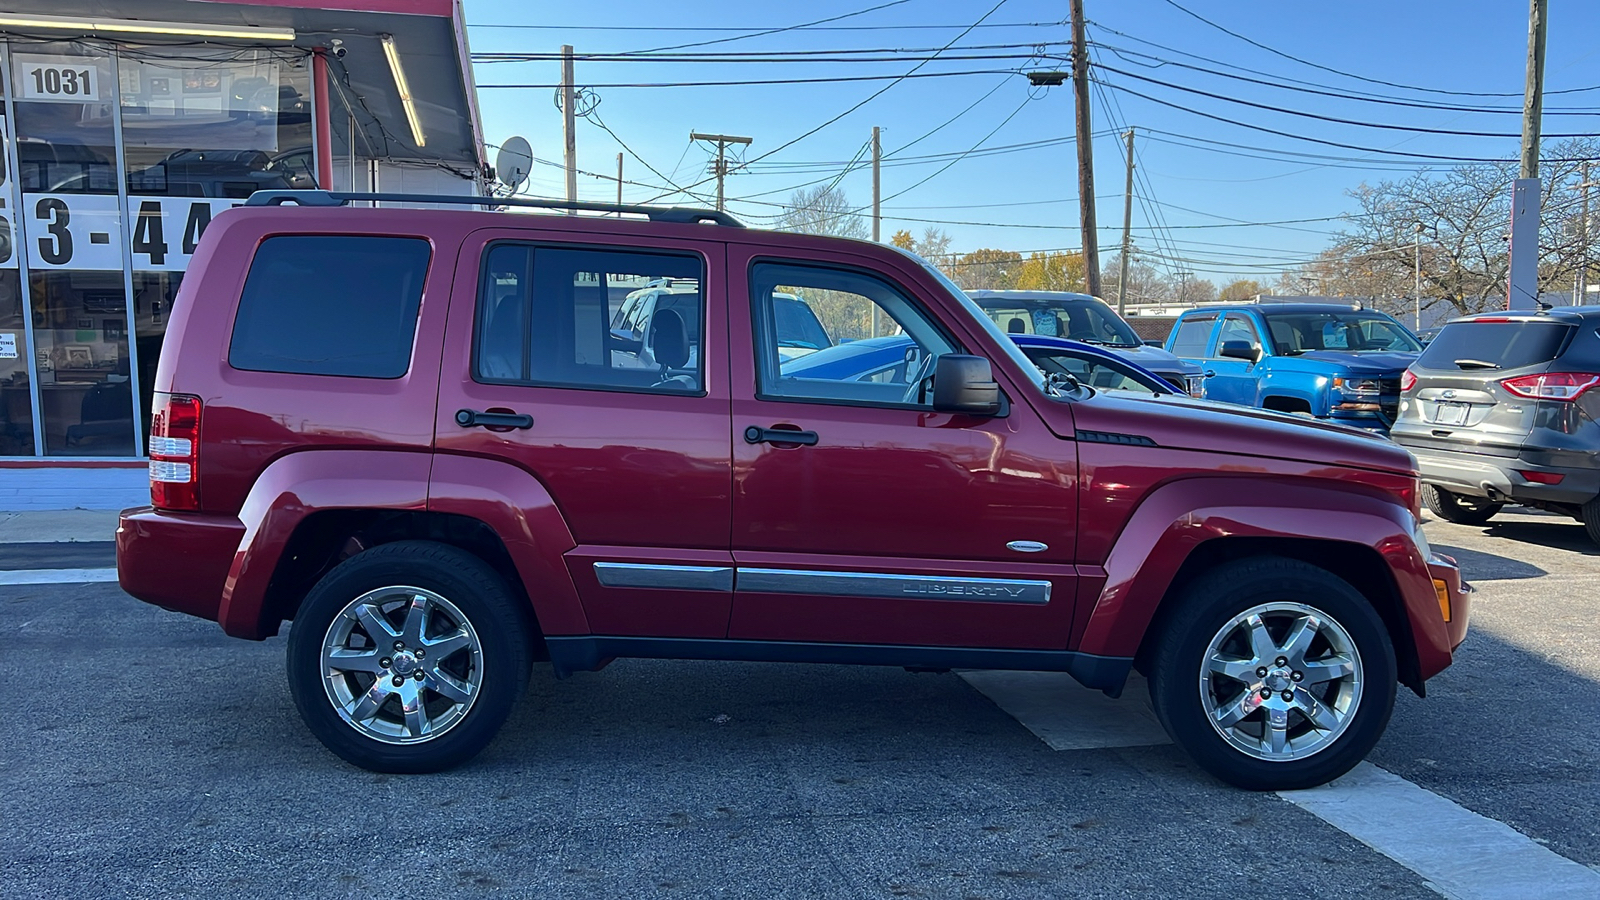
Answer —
(428, 35)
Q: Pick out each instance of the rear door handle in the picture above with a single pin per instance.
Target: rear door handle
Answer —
(755, 434)
(471, 418)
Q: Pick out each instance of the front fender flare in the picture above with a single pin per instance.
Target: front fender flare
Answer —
(1177, 518)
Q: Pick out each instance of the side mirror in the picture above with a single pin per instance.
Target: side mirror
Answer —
(965, 384)
(1244, 350)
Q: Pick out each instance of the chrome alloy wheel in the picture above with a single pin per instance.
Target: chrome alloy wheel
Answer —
(1281, 681)
(401, 665)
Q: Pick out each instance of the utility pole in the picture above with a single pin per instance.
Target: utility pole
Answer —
(1522, 280)
(1127, 231)
(569, 130)
(1416, 291)
(877, 218)
(720, 167)
(1580, 292)
(1080, 91)
(619, 182)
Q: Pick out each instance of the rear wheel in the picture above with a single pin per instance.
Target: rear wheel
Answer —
(1591, 519)
(1458, 508)
(1273, 674)
(407, 657)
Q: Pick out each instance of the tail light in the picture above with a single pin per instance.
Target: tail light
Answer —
(1408, 380)
(1551, 385)
(175, 452)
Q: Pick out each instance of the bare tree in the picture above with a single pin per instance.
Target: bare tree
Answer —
(1241, 289)
(1145, 284)
(823, 209)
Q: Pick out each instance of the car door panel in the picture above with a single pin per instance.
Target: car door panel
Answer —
(893, 528)
(641, 477)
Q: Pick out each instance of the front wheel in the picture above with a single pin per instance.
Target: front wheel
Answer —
(1273, 674)
(407, 657)
(1458, 508)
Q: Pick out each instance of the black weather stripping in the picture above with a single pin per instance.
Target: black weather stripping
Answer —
(1111, 437)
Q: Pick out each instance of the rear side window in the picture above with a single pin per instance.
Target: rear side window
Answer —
(330, 305)
(1507, 345)
(595, 319)
(1192, 336)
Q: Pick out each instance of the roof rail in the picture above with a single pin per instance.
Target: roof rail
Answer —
(654, 213)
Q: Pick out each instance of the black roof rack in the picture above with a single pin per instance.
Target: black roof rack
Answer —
(687, 215)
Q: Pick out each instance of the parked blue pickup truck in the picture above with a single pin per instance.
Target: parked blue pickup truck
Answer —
(1327, 360)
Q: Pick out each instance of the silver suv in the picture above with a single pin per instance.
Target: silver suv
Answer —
(1501, 408)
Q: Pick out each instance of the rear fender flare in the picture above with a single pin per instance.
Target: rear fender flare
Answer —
(521, 511)
(294, 486)
(1180, 516)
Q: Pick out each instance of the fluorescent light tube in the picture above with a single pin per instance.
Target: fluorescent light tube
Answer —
(400, 83)
(11, 21)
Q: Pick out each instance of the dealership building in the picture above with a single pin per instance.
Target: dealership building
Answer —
(128, 125)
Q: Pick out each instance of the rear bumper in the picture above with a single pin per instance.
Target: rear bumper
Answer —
(1499, 477)
(177, 561)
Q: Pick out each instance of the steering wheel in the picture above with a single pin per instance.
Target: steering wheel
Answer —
(914, 386)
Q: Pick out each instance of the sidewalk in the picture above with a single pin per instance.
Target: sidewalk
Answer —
(58, 525)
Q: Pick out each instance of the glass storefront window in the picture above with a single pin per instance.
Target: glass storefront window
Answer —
(66, 134)
(85, 379)
(16, 402)
(153, 296)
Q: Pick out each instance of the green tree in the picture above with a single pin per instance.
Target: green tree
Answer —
(1242, 289)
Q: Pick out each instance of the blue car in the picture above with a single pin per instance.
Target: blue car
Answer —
(1323, 360)
(895, 360)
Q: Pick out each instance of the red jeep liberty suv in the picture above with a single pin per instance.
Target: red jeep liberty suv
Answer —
(444, 444)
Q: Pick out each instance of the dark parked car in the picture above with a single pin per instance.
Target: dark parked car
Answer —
(415, 434)
(1086, 318)
(1501, 408)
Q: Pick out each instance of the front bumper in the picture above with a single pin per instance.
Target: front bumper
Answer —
(1500, 478)
(1455, 597)
(177, 561)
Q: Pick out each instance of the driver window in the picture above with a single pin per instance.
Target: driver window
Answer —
(836, 335)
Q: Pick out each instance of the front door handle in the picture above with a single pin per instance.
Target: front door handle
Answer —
(755, 434)
(470, 418)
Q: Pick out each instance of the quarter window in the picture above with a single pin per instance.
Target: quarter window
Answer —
(330, 305)
(842, 336)
(596, 319)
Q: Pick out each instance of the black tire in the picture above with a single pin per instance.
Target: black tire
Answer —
(1591, 519)
(1184, 704)
(494, 651)
(1458, 508)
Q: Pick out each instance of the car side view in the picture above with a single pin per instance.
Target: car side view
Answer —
(1321, 360)
(424, 438)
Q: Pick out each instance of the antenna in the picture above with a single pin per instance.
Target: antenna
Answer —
(513, 163)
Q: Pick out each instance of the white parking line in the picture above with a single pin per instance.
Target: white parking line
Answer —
(56, 576)
(1068, 716)
(1461, 854)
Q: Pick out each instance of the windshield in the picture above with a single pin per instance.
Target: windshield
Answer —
(1100, 374)
(1079, 318)
(1024, 365)
(1296, 333)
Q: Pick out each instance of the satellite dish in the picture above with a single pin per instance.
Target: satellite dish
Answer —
(513, 163)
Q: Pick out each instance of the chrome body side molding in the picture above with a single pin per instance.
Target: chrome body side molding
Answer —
(665, 577)
(891, 587)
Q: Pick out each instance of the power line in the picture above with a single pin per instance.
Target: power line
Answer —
(746, 82)
(875, 94)
(1334, 119)
(721, 28)
(848, 15)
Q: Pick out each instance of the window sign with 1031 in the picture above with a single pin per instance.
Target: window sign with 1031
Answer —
(69, 78)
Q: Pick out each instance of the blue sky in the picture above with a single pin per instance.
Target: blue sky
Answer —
(1026, 198)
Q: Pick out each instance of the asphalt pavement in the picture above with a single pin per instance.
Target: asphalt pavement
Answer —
(144, 754)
